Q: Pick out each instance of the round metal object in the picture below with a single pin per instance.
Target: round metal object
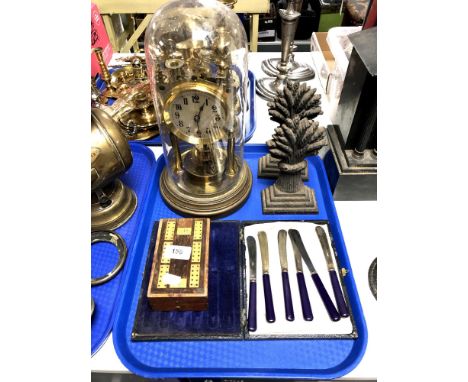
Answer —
(296, 71)
(139, 124)
(118, 241)
(205, 89)
(110, 152)
(110, 157)
(214, 204)
(93, 306)
(123, 203)
(138, 118)
(373, 278)
(134, 133)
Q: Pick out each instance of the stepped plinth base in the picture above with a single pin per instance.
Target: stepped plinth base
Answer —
(275, 201)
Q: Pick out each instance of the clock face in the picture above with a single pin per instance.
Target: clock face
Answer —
(197, 116)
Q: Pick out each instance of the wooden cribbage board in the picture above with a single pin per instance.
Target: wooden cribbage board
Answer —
(191, 293)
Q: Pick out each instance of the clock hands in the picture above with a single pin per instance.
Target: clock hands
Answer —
(196, 118)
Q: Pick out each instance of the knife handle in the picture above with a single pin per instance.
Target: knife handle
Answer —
(288, 306)
(269, 308)
(332, 312)
(305, 302)
(340, 301)
(252, 319)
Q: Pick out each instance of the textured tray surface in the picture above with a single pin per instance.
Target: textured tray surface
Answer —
(104, 256)
(250, 123)
(307, 359)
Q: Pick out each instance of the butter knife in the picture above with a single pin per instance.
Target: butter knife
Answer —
(340, 301)
(305, 302)
(299, 246)
(269, 308)
(288, 306)
(252, 317)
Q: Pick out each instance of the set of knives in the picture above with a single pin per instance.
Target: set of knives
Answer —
(300, 254)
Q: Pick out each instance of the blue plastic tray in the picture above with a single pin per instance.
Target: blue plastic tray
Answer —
(140, 177)
(250, 124)
(291, 358)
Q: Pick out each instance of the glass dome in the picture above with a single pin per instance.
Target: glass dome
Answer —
(196, 54)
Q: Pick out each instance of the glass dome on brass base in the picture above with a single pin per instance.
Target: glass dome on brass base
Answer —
(196, 54)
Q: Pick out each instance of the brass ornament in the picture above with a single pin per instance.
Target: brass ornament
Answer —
(112, 203)
(122, 80)
(138, 119)
(113, 208)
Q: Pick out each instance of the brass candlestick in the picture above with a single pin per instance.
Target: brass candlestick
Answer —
(105, 74)
(121, 80)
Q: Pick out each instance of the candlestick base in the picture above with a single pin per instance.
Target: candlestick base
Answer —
(296, 71)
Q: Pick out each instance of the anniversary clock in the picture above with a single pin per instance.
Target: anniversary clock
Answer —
(196, 54)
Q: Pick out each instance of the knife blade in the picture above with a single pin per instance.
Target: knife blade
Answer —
(298, 245)
(288, 306)
(305, 302)
(252, 317)
(269, 308)
(340, 301)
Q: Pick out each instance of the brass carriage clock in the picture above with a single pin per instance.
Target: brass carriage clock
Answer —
(196, 53)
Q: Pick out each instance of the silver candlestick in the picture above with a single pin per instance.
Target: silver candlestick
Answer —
(268, 88)
(296, 71)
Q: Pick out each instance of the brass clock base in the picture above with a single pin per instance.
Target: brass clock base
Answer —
(123, 203)
(206, 205)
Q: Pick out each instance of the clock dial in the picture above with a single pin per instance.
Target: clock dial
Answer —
(198, 116)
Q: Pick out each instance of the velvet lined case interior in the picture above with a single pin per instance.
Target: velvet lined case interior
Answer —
(222, 320)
